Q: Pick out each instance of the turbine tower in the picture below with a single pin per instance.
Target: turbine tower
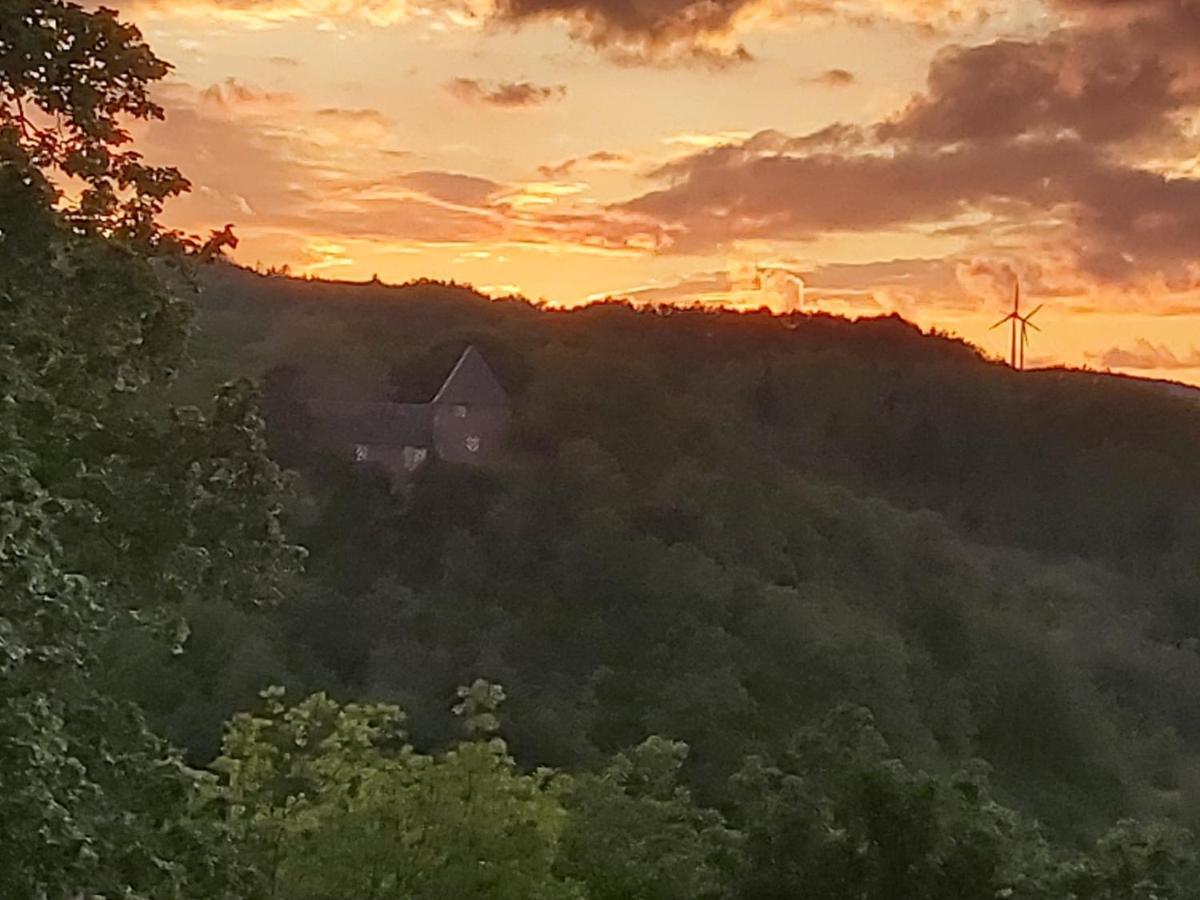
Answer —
(1020, 336)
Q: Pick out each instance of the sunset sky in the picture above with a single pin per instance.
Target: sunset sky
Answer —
(852, 156)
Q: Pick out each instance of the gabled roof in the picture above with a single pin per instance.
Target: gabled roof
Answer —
(472, 382)
(378, 424)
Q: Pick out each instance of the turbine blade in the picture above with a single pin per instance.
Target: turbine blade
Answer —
(1035, 309)
(1001, 322)
(1031, 325)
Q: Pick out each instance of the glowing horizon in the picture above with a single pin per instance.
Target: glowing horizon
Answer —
(854, 157)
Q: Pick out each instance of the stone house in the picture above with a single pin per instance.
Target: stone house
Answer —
(465, 422)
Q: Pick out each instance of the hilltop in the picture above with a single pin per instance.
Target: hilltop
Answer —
(718, 526)
(1174, 388)
(874, 404)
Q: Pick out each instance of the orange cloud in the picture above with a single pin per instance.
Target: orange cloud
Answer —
(280, 169)
(901, 285)
(835, 78)
(1146, 356)
(600, 159)
(266, 13)
(707, 32)
(505, 94)
(232, 93)
(1016, 148)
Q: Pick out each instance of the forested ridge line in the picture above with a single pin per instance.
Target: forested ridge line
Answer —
(715, 525)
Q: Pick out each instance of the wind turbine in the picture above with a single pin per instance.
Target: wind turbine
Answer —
(1019, 324)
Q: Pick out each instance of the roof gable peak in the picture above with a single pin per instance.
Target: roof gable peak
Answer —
(472, 382)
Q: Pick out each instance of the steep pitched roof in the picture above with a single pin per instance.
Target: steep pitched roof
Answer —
(473, 382)
(381, 424)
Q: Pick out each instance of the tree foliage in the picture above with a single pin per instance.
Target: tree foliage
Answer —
(998, 565)
(70, 80)
(634, 831)
(334, 803)
(331, 801)
(113, 507)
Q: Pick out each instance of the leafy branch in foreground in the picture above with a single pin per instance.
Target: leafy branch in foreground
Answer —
(112, 507)
(70, 80)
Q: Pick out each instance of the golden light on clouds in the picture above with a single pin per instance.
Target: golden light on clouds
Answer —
(274, 13)
(852, 156)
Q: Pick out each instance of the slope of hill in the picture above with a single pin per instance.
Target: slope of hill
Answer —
(1188, 392)
(876, 404)
(716, 526)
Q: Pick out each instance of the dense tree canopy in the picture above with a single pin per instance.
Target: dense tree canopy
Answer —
(717, 526)
(114, 506)
(330, 801)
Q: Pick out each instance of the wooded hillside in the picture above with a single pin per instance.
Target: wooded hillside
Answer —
(718, 526)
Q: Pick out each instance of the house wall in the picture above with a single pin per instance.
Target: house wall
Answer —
(392, 457)
(469, 433)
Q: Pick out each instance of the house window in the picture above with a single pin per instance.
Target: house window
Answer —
(460, 411)
(472, 444)
(360, 453)
(413, 457)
